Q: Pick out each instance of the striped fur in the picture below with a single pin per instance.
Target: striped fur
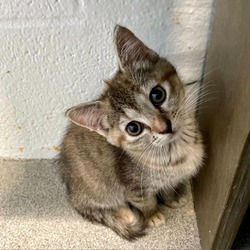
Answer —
(117, 179)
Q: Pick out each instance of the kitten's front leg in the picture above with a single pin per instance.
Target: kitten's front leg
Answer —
(148, 205)
(174, 197)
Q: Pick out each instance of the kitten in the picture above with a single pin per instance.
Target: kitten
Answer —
(128, 152)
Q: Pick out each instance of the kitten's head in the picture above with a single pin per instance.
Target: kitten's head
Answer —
(142, 104)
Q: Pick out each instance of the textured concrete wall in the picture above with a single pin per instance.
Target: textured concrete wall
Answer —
(55, 53)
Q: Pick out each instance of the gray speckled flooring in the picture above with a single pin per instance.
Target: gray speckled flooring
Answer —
(34, 214)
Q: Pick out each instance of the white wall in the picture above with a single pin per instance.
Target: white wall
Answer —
(55, 53)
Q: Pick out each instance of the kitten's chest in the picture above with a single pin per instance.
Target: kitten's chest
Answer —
(166, 171)
(170, 176)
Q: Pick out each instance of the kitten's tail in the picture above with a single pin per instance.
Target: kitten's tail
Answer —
(127, 223)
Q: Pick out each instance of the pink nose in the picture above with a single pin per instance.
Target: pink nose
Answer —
(163, 125)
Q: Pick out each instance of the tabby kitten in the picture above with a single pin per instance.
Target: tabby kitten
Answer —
(127, 153)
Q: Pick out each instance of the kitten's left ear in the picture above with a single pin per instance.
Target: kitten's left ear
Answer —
(133, 54)
(89, 115)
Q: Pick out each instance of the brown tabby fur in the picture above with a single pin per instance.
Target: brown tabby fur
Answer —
(121, 180)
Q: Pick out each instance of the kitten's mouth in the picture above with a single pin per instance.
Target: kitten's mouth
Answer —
(174, 134)
(170, 137)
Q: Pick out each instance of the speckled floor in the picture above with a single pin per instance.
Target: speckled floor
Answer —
(35, 214)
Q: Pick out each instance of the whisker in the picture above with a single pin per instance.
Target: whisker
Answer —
(193, 106)
(203, 76)
(193, 100)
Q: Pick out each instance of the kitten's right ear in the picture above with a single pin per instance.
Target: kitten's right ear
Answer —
(89, 115)
(132, 53)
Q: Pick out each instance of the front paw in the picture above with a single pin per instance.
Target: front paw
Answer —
(125, 214)
(176, 203)
(156, 220)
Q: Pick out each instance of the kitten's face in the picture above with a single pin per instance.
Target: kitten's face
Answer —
(144, 107)
(143, 102)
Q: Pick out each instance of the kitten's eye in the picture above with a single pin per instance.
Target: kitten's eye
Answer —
(134, 128)
(157, 95)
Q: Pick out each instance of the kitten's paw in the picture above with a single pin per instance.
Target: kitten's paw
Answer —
(177, 203)
(125, 214)
(156, 220)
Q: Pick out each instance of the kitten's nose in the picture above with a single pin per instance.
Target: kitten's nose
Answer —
(163, 125)
(167, 129)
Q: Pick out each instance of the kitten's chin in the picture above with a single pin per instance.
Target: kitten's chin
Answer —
(164, 140)
(176, 133)
(171, 137)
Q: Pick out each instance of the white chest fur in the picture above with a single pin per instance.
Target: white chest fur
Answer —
(163, 175)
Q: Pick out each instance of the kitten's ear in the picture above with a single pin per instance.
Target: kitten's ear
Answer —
(89, 115)
(133, 54)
